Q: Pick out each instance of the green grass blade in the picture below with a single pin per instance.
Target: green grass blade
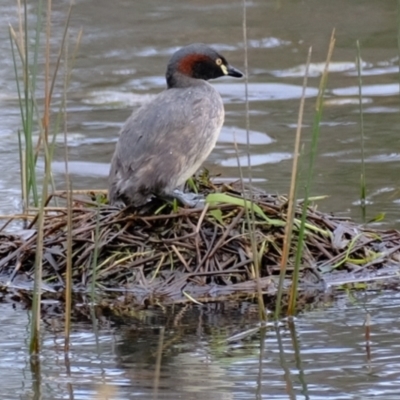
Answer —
(214, 198)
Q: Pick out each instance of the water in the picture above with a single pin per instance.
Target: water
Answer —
(121, 63)
(322, 356)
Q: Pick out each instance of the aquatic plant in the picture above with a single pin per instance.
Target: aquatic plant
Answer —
(35, 116)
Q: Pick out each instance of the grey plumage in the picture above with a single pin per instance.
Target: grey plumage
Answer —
(164, 142)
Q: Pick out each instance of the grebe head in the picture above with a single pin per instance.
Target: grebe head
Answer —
(197, 61)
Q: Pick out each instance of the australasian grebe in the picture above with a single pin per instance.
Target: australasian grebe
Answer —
(165, 141)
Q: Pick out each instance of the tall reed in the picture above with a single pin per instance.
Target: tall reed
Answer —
(26, 89)
(250, 215)
(293, 188)
(28, 56)
(292, 193)
(68, 273)
(310, 173)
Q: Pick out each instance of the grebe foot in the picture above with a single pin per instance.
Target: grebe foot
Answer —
(191, 200)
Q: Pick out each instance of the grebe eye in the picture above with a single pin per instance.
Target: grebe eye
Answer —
(218, 61)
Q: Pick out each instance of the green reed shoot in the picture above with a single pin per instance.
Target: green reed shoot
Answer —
(362, 178)
(36, 305)
(27, 94)
(314, 143)
(32, 118)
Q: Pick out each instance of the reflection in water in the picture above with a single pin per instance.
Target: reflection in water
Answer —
(321, 354)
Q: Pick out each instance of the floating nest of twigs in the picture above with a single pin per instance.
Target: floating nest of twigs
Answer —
(170, 255)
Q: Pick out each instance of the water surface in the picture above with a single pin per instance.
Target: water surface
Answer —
(120, 65)
(322, 355)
